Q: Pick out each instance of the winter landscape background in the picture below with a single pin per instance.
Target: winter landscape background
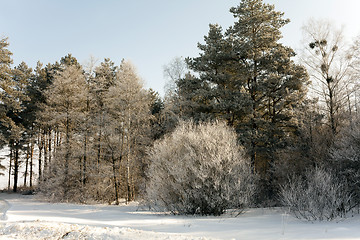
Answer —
(251, 138)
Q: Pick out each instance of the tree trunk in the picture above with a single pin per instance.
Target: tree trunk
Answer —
(31, 162)
(67, 154)
(49, 149)
(27, 163)
(99, 141)
(116, 188)
(128, 161)
(84, 162)
(10, 164)
(16, 166)
(40, 146)
(45, 170)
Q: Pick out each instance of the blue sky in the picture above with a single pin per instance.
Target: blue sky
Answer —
(149, 33)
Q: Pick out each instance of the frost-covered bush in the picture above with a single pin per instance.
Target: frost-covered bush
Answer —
(345, 157)
(317, 196)
(199, 169)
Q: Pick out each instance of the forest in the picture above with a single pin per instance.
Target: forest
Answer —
(248, 122)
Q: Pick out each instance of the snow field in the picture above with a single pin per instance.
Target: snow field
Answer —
(31, 218)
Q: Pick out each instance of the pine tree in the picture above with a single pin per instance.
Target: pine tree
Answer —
(13, 84)
(249, 79)
(104, 78)
(6, 82)
(21, 75)
(43, 126)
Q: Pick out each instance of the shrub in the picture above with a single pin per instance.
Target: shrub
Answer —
(345, 158)
(317, 196)
(199, 169)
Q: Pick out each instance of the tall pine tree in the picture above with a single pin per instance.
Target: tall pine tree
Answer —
(248, 78)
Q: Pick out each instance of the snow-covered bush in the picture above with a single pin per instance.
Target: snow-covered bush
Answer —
(345, 158)
(199, 169)
(317, 196)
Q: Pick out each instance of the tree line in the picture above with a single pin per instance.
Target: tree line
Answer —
(93, 127)
(88, 124)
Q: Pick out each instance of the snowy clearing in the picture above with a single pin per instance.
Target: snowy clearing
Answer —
(29, 218)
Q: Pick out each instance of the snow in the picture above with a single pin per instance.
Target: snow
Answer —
(30, 218)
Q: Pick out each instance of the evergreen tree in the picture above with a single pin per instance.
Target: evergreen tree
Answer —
(22, 75)
(43, 126)
(249, 79)
(157, 111)
(8, 93)
(13, 84)
(104, 78)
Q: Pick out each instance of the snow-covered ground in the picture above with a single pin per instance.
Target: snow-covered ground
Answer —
(29, 218)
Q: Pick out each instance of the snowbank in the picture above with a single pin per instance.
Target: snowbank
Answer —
(53, 231)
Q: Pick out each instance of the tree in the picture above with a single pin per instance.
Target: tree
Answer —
(105, 75)
(6, 83)
(42, 127)
(66, 101)
(21, 76)
(199, 169)
(173, 71)
(100, 171)
(129, 108)
(13, 84)
(329, 62)
(157, 121)
(248, 79)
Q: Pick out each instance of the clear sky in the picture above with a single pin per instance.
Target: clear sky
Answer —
(150, 33)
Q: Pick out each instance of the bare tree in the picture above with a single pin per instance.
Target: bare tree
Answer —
(173, 71)
(129, 107)
(329, 61)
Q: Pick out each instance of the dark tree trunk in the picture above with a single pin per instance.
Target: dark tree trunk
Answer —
(116, 188)
(16, 167)
(27, 164)
(10, 164)
(31, 163)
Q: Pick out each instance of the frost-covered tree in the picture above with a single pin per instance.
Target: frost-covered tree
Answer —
(128, 104)
(66, 101)
(174, 71)
(329, 61)
(105, 75)
(199, 169)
